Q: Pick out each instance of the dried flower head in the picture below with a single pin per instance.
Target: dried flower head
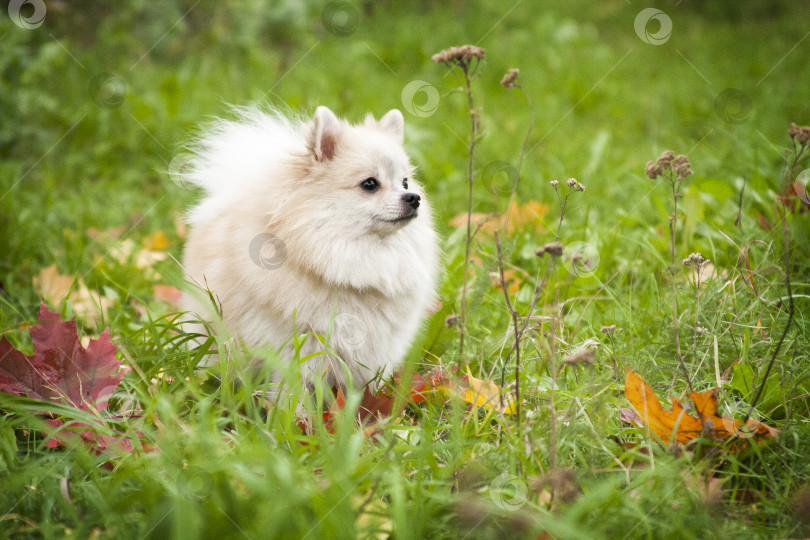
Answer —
(793, 130)
(696, 261)
(608, 330)
(572, 182)
(653, 169)
(583, 356)
(802, 134)
(681, 166)
(554, 184)
(555, 249)
(562, 482)
(665, 160)
(579, 186)
(462, 55)
(508, 80)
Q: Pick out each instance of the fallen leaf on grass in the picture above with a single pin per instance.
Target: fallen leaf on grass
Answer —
(156, 241)
(510, 276)
(685, 427)
(126, 252)
(54, 288)
(519, 218)
(477, 392)
(168, 294)
(376, 407)
(62, 370)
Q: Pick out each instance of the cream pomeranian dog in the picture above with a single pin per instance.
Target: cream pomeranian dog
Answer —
(313, 227)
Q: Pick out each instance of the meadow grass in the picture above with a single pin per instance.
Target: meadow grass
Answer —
(97, 103)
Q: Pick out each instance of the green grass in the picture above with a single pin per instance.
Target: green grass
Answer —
(212, 461)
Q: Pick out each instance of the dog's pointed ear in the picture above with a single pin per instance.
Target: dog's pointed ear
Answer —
(323, 136)
(394, 124)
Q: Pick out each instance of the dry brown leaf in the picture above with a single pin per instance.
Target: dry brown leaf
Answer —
(54, 288)
(685, 427)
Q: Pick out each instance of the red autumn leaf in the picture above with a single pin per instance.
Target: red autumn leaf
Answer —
(374, 407)
(61, 370)
(418, 389)
(99, 441)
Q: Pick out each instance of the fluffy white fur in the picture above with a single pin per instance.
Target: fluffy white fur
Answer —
(332, 253)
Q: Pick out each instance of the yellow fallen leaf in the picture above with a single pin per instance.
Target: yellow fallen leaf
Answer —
(477, 392)
(156, 241)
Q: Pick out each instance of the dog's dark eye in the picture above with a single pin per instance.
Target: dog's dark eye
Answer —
(370, 184)
(405, 183)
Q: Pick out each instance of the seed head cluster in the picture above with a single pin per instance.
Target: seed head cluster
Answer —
(799, 133)
(581, 357)
(669, 161)
(508, 80)
(572, 183)
(462, 55)
(555, 249)
(608, 330)
(696, 261)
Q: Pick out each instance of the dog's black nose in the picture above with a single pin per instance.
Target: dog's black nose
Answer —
(412, 199)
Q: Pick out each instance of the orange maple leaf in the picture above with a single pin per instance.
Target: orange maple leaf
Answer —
(684, 426)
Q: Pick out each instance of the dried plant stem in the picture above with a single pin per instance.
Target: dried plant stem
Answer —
(538, 290)
(673, 223)
(698, 270)
(473, 135)
(514, 315)
(615, 366)
(552, 436)
(786, 239)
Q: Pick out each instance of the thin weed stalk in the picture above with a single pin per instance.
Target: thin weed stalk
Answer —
(674, 169)
(468, 58)
(800, 134)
